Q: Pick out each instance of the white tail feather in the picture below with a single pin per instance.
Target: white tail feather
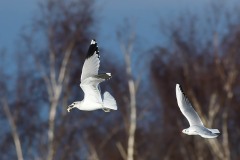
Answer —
(109, 102)
(214, 130)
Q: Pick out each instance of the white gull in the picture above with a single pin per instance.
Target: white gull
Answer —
(196, 125)
(90, 80)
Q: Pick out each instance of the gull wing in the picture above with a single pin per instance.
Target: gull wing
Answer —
(90, 87)
(186, 108)
(214, 130)
(92, 62)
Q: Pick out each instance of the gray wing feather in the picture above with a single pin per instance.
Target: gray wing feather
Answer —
(90, 87)
(90, 67)
(186, 108)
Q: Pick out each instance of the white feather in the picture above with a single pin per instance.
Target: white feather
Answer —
(109, 101)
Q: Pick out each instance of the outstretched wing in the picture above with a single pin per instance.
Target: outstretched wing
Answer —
(92, 62)
(90, 87)
(186, 108)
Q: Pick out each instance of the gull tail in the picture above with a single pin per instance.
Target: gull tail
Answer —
(214, 131)
(104, 76)
(109, 102)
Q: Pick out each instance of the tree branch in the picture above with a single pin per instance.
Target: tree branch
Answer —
(57, 90)
(13, 129)
(121, 150)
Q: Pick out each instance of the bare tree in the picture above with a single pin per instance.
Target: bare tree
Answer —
(209, 75)
(60, 57)
(127, 50)
(49, 79)
(205, 62)
(7, 111)
(54, 86)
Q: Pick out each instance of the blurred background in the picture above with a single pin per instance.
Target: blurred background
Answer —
(148, 46)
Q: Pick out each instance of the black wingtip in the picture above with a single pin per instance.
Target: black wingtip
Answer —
(180, 87)
(218, 134)
(92, 49)
(105, 76)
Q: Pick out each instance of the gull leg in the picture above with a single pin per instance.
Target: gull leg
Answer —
(70, 107)
(105, 109)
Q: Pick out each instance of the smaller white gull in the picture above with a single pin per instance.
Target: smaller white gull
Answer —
(196, 125)
(90, 80)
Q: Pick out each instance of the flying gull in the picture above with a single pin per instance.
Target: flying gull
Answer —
(196, 125)
(90, 80)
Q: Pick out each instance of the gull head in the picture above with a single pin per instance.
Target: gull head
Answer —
(190, 131)
(185, 131)
(73, 105)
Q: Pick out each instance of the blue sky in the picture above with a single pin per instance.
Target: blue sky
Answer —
(15, 14)
(145, 15)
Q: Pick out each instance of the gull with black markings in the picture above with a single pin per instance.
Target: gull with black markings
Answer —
(90, 80)
(196, 125)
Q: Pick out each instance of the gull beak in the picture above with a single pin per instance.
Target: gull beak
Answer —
(68, 109)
